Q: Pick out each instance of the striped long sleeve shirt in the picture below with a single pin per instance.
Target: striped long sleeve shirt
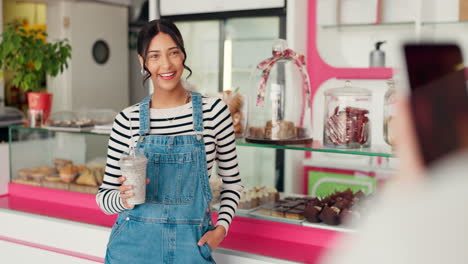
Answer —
(219, 141)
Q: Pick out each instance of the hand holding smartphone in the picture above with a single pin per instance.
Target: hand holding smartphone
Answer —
(438, 98)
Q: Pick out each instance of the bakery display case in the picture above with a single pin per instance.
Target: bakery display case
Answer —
(53, 171)
(63, 160)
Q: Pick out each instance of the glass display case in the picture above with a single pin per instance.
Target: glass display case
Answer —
(53, 171)
(72, 161)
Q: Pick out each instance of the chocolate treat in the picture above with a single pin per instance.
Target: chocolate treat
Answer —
(312, 212)
(336, 198)
(294, 214)
(328, 200)
(291, 204)
(300, 207)
(345, 215)
(341, 204)
(360, 194)
(330, 215)
(348, 194)
(282, 201)
(315, 201)
(276, 196)
(279, 211)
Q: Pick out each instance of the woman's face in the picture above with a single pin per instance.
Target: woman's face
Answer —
(165, 62)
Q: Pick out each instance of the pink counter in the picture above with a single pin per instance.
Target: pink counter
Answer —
(256, 236)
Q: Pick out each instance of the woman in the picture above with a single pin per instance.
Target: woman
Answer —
(182, 134)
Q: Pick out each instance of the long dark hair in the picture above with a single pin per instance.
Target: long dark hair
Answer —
(150, 30)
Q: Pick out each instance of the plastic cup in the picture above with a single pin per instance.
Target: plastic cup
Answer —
(133, 167)
(35, 118)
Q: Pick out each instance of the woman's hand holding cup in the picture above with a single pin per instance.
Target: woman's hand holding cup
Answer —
(126, 192)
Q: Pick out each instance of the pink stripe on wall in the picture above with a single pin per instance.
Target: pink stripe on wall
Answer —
(379, 12)
(52, 249)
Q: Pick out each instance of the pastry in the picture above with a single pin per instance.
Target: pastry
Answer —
(81, 168)
(280, 129)
(300, 132)
(245, 201)
(257, 132)
(60, 163)
(330, 215)
(23, 173)
(295, 214)
(53, 178)
(87, 178)
(99, 175)
(279, 211)
(266, 209)
(312, 212)
(36, 175)
(234, 102)
(68, 173)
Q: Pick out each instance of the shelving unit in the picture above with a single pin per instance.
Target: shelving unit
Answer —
(316, 146)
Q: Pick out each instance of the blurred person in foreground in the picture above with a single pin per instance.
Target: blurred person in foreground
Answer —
(420, 216)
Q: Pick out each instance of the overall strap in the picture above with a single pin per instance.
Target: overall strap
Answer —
(145, 116)
(197, 108)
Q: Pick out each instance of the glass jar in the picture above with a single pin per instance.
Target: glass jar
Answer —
(347, 123)
(279, 111)
(389, 113)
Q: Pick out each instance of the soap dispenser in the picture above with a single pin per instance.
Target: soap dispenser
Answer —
(377, 56)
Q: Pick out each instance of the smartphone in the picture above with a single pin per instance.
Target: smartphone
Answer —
(438, 98)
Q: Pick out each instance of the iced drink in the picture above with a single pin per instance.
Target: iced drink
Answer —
(133, 167)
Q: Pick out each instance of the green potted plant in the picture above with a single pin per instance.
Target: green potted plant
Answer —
(26, 54)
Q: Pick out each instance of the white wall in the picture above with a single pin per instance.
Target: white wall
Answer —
(350, 46)
(99, 86)
(87, 85)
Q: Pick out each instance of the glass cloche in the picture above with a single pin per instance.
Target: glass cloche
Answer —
(279, 105)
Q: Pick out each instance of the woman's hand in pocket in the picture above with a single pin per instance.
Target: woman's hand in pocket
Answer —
(213, 237)
(126, 192)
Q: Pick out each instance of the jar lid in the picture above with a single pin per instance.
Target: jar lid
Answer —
(349, 90)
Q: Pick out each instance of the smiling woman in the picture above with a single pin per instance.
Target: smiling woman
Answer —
(182, 134)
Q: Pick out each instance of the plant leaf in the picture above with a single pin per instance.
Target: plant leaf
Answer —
(38, 65)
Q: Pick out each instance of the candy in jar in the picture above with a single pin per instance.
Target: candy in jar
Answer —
(347, 123)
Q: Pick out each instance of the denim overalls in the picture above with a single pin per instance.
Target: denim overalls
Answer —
(167, 227)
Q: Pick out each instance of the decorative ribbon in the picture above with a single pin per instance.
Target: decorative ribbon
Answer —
(266, 65)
